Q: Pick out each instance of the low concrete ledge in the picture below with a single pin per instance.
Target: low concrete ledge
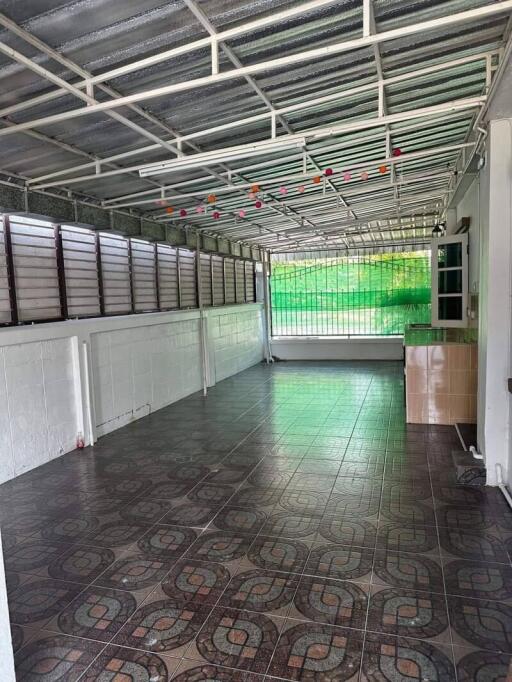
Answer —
(338, 347)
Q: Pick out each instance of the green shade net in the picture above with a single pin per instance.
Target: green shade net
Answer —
(371, 294)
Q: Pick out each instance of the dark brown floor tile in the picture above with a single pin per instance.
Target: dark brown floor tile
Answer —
(317, 652)
(340, 562)
(236, 639)
(135, 571)
(348, 531)
(33, 556)
(337, 602)
(164, 625)
(291, 525)
(403, 537)
(117, 662)
(198, 581)
(167, 542)
(279, 554)
(479, 623)
(484, 666)
(33, 601)
(261, 590)
(478, 579)
(466, 544)
(394, 659)
(194, 671)
(239, 520)
(56, 658)
(190, 514)
(406, 613)
(409, 571)
(97, 613)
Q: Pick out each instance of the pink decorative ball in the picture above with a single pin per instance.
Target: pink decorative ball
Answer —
(241, 213)
(161, 202)
(301, 189)
(252, 195)
(347, 176)
(283, 190)
(328, 171)
(364, 175)
(258, 204)
(183, 212)
(200, 209)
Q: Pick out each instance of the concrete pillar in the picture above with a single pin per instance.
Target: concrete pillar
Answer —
(495, 303)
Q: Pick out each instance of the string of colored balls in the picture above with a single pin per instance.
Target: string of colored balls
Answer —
(256, 189)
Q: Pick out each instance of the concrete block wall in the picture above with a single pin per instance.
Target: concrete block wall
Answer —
(94, 376)
(236, 342)
(38, 404)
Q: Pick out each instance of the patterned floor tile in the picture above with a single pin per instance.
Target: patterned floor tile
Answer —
(167, 542)
(406, 613)
(220, 546)
(35, 600)
(340, 562)
(116, 532)
(409, 571)
(259, 590)
(236, 639)
(97, 613)
(81, 563)
(483, 624)
(483, 666)
(239, 520)
(55, 658)
(135, 571)
(119, 663)
(193, 671)
(317, 652)
(191, 514)
(33, 556)
(478, 579)
(396, 659)
(164, 625)
(337, 602)
(402, 537)
(348, 531)
(290, 525)
(465, 544)
(198, 581)
(280, 554)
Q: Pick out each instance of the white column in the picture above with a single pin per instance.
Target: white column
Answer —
(495, 303)
(6, 654)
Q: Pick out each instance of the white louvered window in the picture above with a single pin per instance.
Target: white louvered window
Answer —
(206, 279)
(218, 280)
(115, 269)
(249, 281)
(81, 272)
(143, 276)
(187, 274)
(5, 303)
(168, 277)
(240, 281)
(229, 280)
(34, 254)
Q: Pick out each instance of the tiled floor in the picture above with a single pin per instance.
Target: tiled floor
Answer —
(290, 526)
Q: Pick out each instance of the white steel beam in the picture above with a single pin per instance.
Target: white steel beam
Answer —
(317, 53)
(279, 112)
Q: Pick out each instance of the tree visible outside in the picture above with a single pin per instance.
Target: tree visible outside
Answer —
(377, 294)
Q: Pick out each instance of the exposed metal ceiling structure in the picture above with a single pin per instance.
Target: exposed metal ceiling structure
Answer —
(91, 91)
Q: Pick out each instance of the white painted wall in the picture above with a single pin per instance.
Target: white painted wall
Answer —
(37, 394)
(469, 206)
(6, 654)
(495, 301)
(338, 348)
(94, 376)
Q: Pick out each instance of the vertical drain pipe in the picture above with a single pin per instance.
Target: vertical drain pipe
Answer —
(266, 308)
(204, 364)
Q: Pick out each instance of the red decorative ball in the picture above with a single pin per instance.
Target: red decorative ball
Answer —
(328, 171)
(183, 212)
(397, 152)
(258, 204)
(215, 215)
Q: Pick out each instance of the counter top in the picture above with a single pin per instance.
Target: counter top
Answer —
(429, 336)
